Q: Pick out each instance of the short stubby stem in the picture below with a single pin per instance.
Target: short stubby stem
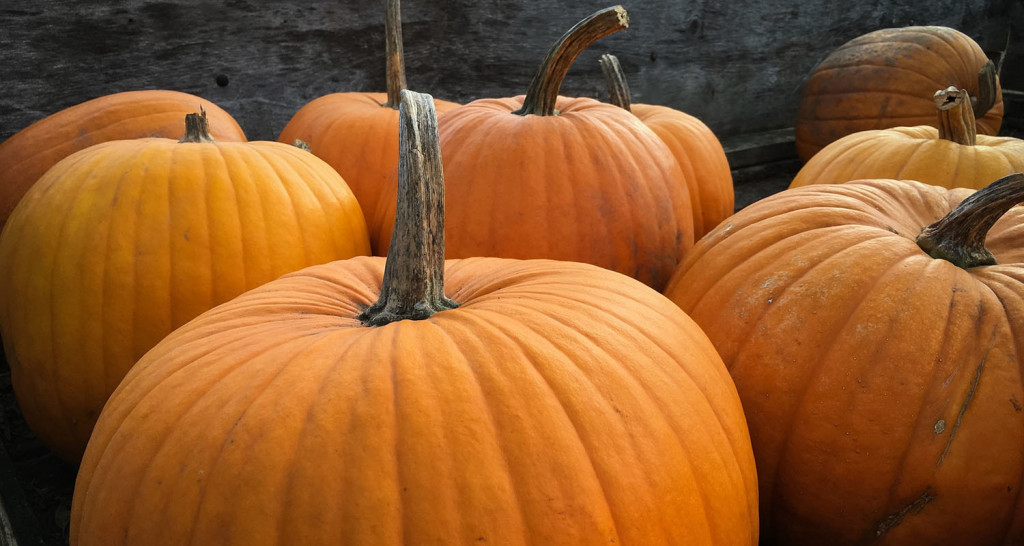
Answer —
(956, 116)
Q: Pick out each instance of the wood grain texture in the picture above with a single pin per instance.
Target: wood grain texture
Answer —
(738, 66)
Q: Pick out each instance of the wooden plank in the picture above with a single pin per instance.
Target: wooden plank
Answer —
(760, 148)
(738, 67)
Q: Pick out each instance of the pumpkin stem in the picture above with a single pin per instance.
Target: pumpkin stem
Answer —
(413, 285)
(395, 53)
(959, 237)
(987, 85)
(543, 91)
(615, 78)
(197, 127)
(956, 116)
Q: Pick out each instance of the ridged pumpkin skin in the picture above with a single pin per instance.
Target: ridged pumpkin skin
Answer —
(886, 78)
(882, 386)
(587, 185)
(702, 158)
(122, 242)
(559, 404)
(27, 154)
(357, 136)
(914, 153)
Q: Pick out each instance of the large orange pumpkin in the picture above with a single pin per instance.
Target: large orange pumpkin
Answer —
(886, 78)
(356, 132)
(120, 243)
(877, 347)
(952, 155)
(694, 145)
(26, 155)
(425, 401)
(545, 176)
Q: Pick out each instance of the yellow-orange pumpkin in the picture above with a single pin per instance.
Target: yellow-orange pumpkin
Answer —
(357, 132)
(550, 403)
(886, 78)
(546, 176)
(694, 145)
(120, 243)
(879, 362)
(26, 155)
(952, 155)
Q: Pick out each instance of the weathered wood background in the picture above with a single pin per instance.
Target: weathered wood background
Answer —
(738, 66)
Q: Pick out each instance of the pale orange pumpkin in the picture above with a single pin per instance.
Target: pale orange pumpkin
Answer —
(952, 155)
(425, 401)
(120, 243)
(27, 154)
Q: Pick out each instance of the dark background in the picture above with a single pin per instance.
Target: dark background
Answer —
(738, 66)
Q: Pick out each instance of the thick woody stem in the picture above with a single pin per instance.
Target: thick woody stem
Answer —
(413, 285)
(959, 237)
(197, 127)
(395, 53)
(956, 116)
(987, 86)
(615, 79)
(543, 91)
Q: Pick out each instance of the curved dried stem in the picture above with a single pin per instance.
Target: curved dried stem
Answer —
(543, 91)
(615, 79)
(959, 237)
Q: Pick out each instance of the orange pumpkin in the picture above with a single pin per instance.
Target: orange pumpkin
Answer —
(544, 176)
(876, 345)
(539, 402)
(886, 78)
(952, 156)
(693, 144)
(356, 133)
(120, 243)
(26, 155)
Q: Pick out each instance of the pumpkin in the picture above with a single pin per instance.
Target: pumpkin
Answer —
(693, 144)
(545, 176)
(356, 132)
(952, 155)
(27, 154)
(886, 78)
(120, 243)
(873, 329)
(422, 400)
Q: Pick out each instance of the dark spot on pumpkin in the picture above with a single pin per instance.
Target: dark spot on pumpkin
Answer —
(896, 518)
(222, 80)
(1016, 404)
